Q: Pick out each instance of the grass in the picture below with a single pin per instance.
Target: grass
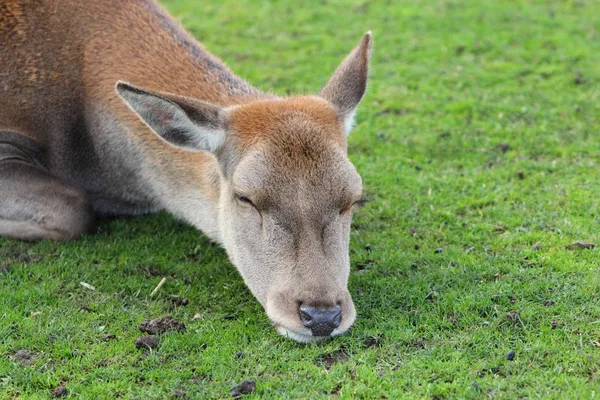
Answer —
(451, 82)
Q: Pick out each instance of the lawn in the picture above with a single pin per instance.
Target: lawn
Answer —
(479, 145)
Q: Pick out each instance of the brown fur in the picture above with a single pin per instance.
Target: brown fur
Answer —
(267, 177)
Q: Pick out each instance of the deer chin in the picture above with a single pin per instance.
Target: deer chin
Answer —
(302, 337)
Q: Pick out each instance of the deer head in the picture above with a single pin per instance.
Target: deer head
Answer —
(287, 190)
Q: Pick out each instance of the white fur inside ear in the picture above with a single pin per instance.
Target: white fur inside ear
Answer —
(349, 121)
(214, 139)
(172, 124)
(201, 138)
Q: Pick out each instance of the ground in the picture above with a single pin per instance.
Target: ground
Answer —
(479, 146)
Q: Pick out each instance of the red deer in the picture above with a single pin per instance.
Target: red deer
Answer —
(110, 108)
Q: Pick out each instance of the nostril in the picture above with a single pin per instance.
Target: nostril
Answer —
(305, 317)
(337, 318)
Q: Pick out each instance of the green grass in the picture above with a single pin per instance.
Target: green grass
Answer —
(450, 82)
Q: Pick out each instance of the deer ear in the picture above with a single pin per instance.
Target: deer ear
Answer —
(347, 85)
(182, 122)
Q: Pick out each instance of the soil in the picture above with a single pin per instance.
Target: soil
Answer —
(147, 342)
(243, 388)
(504, 147)
(513, 315)
(152, 270)
(25, 357)
(60, 391)
(372, 341)
(330, 359)
(179, 302)
(162, 325)
(581, 245)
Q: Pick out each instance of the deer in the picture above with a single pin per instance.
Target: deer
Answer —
(111, 108)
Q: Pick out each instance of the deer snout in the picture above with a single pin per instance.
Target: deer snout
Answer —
(307, 315)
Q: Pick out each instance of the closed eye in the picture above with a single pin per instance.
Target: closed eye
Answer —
(358, 203)
(244, 199)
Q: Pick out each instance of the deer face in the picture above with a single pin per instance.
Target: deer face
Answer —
(286, 209)
(287, 191)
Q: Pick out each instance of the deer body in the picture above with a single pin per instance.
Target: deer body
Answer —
(245, 167)
(61, 93)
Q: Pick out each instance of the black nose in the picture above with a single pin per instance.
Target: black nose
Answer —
(321, 321)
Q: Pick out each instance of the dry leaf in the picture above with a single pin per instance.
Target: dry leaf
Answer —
(87, 286)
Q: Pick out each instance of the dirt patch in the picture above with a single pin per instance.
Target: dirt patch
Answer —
(4, 267)
(243, 388)
(513, 316)
(178, 393)
(25, 357)
(332, 358)
(581, 245)
(60, 391)
(490, 371)
(504, 147)
(162, 325)
(373, 341)
(179, 301)
(336, 389)
(419, 343)
(147, 342)
(151, 270)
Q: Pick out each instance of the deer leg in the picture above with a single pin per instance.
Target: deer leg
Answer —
(34, 204)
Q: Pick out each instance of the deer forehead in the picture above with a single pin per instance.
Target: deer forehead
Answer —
(285, 121)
